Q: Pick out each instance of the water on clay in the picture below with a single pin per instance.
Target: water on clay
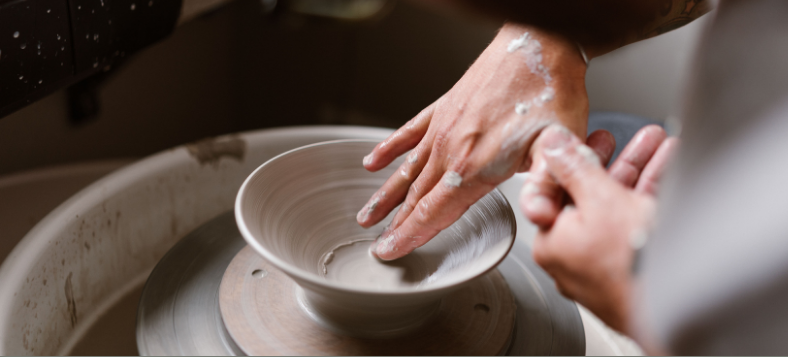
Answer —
(352, 263)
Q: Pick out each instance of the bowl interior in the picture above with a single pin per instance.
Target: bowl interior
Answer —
(299, 211)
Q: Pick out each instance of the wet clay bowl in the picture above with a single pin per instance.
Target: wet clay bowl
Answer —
(298, 211)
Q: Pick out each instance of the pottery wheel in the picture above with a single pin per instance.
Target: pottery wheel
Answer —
(180, 312)
(261, 312)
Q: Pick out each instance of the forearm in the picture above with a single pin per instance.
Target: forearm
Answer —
(600, 26)
(671, 15)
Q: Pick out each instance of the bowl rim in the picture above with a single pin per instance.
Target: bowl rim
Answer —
(311, 278)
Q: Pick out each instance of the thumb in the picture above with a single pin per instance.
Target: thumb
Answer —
(573, 165)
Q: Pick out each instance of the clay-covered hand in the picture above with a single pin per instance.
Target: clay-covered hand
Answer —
(639, 166)
(475, 136)
(589, 248)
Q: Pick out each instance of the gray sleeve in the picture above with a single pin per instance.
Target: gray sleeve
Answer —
(714, 276)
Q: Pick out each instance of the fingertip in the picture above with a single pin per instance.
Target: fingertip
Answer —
(672, 144)
(387, 248)
(554, 138)
(603, 143)
(374, 247)
(540, 210)
(655, 129)
(368, 160)
(360, 216)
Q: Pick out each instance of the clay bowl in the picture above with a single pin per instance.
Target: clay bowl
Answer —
(300, 206)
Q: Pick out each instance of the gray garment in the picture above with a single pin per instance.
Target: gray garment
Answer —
(714, 275)
(622, 126)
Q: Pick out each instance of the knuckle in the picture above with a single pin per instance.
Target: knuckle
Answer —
(406, 208)
(423, 216)
(413, 192)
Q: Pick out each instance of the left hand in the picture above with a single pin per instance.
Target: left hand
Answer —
(587, 248)
(475, 136)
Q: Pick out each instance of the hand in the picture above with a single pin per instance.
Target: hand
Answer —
(542, 198)
(588, 248)
(476, 136)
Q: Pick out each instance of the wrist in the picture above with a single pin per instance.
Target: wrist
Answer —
(563, 55)
(546, 60)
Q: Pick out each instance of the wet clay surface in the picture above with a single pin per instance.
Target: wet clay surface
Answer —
(353, 264)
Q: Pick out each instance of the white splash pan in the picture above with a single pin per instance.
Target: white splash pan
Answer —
(101, 243)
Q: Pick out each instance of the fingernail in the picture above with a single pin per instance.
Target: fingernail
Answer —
(373, 247)
(386, 246)
(362, 215)
(368, 159)
(452, 179)
(556, 137)
(538, 203)
(588, 154)
(529, 189)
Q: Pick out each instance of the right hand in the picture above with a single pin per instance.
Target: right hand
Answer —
(639, 166)
(588, 247)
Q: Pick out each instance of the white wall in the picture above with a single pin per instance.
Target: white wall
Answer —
(646, 78)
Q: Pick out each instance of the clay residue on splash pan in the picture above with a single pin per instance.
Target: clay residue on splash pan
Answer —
(211, 150)
(71, 304)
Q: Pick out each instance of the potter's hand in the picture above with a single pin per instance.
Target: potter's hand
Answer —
(476, 136)
(589, 248)
(639, 166)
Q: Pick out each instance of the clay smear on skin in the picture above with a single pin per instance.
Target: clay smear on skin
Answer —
(533, 55)
(547, 94)
(363, 215)
(387, 245)
(452, 179)
(588, 154)
(532, 50)
(413, 157)
(368, 159)
(516, 133)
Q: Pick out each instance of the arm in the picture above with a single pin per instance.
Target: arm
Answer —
(600, 26)
(480, 133)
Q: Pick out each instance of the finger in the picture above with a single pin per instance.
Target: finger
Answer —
(572, 164)
(603, 143)
(402, 140)
(437, 210)
(394, 189)
(541, 197)
(424, 183)
(636, 155)
(649, 179)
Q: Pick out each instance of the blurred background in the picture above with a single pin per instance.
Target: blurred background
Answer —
(244, 67)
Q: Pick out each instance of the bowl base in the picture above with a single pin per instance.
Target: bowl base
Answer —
(260, 310)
